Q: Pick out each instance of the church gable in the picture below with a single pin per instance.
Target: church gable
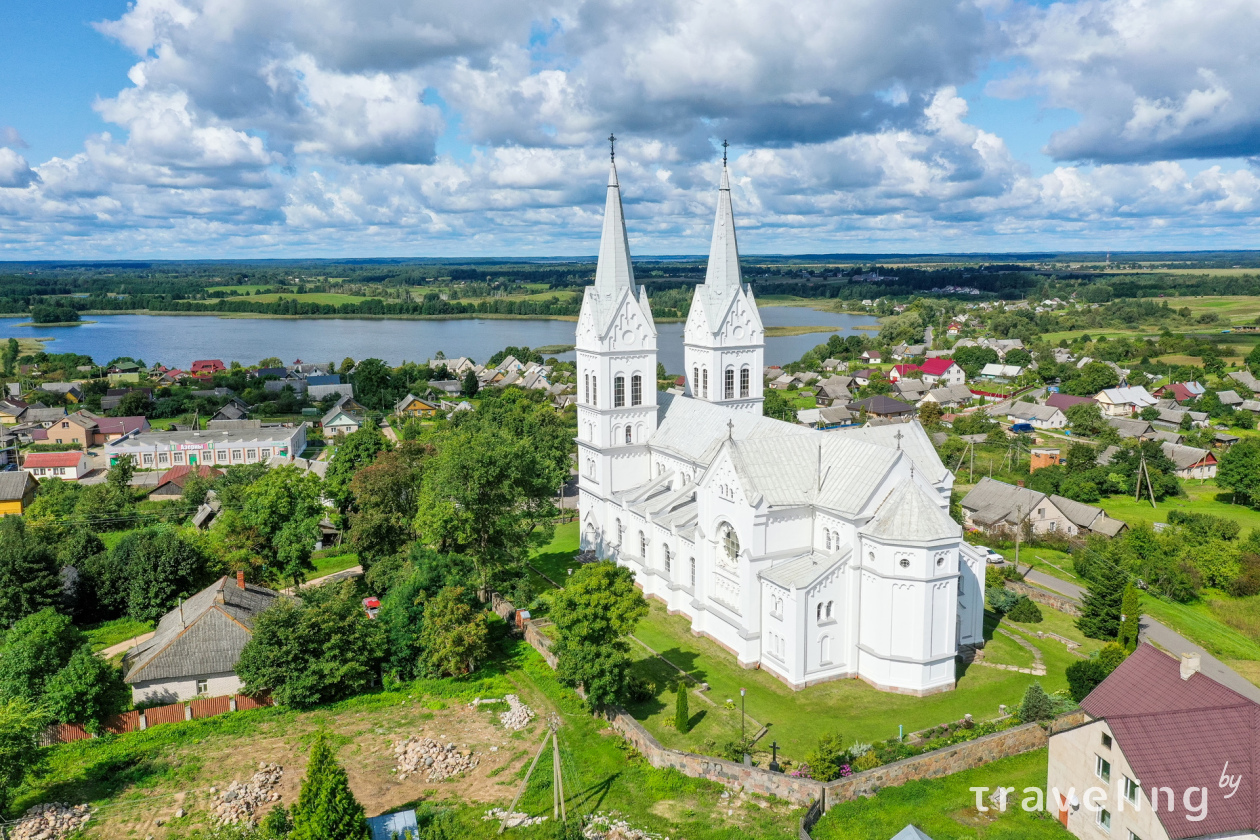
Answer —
(741, 325)
(721, 481)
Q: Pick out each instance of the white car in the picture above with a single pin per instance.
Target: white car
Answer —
(991, 556)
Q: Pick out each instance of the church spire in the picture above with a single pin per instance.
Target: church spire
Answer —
(614, 271)
(723, 272)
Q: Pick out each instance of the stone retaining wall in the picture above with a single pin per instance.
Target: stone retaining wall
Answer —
(1062, 603)
(942, 762)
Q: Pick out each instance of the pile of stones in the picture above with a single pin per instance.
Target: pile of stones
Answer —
(246, 800)
(51, 821)
(605, 827)
(424, 755)
(516, 819)
(517, 716)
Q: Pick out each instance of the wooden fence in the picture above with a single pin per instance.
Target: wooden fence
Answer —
(137, 720)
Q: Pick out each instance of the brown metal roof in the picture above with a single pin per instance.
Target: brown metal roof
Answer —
(1179, 734)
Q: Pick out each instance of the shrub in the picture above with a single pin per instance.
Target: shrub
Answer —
(1036, 706)
(1083, 677)
(1025, 611)
(826, 759)
(1000, 600)
(639, 690)
(869, 761)
(1248, 581)
(682, 717)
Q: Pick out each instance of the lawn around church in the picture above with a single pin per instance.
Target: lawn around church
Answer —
(797, 719)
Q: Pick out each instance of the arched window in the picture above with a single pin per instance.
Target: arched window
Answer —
(588, 389)
(594, 390)
(705, 386)
(642, 545)
(692, 563)
(828, 610)
(744, 379)
(621, 531)
(669, 563)
(619, 392)
(818, 612)
(730, 543)
(636, 390)
(828, 533)
(629, 435)
(695, 381)
(728, 384)
(824, 650)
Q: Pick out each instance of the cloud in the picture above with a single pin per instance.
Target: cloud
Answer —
(1150, 79)
(14, 170)
(9, 137)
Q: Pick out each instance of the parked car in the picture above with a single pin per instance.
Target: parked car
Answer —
(991, 557)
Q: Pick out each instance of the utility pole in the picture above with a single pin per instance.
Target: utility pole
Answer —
(557, 776)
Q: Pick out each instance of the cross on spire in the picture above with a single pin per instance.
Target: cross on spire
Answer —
(898, 436)
(612, 147)
(730, 429)
(724, 146)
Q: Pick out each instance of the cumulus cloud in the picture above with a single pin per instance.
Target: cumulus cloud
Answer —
(14, 170)
(1151, 79)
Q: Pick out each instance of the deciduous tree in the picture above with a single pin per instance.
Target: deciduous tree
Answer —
(29, 579)
(455, 635)
(20, 725)
(594, 614)
(357, 451)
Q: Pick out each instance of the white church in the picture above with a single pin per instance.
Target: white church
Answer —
(814, 555)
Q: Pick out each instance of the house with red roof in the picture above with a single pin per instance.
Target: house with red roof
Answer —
(941, 372)
(68, 466)
(204, 367)
(1166, 753)
(1180, 391)
(170, 486)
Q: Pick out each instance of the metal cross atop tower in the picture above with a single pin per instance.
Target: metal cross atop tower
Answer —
(898, 436)
(612, 147)
(724, 147)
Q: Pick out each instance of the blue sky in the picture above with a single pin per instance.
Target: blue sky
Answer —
(191, 128)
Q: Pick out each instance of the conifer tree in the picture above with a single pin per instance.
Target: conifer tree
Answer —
(682, 718)
(1130, 622)
(326, 808)
(1100, 606)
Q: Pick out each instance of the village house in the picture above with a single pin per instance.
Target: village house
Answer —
(194, 651)
(912, 390)
(88, 429)
(1147, 763)
(170, 487)
(1191, 461)
(233, 409)
(71, 391)
(1065, 401)
(1180, 391)
(1229, 399)
(413, 406)
(17, 491)
(1246, 379)
(1123, 402)
(340, 421)
(1038, 416)
(881, 406)
(993, 370)
(996, 507)
(207, 367)
(1139, 429)
(114, 396)
(951, 396)
(908, 351)
(1040, 457)
(320, 392)
(68, 466)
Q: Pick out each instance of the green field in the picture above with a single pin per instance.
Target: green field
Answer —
(331, 561)
(323, 298)
(109, 633)
(1203, 497)
(945, 809)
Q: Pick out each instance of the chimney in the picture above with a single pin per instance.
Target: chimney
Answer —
(240, 580)
(1190, 665)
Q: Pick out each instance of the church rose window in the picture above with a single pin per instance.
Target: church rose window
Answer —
(619, 392)
(743, 382)
(636, 390)
(728, 385)
(730, 544)
(905, 562)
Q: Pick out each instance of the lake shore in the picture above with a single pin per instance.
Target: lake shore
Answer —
(55, 324)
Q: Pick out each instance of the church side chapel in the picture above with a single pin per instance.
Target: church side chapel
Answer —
(814, 555)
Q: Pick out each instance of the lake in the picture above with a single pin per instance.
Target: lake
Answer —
(176, 340)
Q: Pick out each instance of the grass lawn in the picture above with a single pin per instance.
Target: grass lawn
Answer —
(140, 778)
(1200, 623)
(556, 558)
(332, 561)
(798, 718)
(1203, 497)
(109, 633)
(945, 808)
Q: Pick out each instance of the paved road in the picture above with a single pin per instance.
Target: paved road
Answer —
(1164, 636)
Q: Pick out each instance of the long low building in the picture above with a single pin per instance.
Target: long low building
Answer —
(163, 450)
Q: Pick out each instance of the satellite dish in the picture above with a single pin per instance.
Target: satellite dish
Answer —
(1074, 802)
